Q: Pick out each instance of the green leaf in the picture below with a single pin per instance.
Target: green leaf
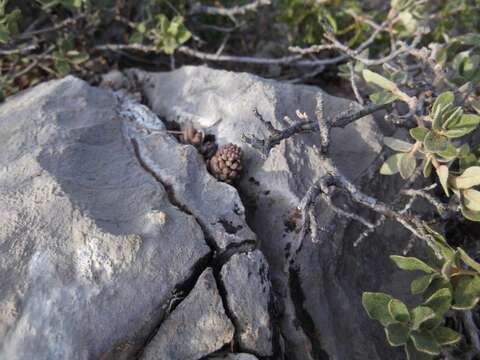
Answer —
(183, 36)
(467, 161)
(376, 306)
(397, 334)
(440, 301)
(470, 214)
(379, 80)
(468, 260)
(397, 144)
(413, 354)
(420, 284)
(420, 315)
(464, 125)
(425, 342)
(450, 153)
(451, 117)
(446, 336)
(398, 310)
(390, 166)
(466, 293)
(471, 199)
(427, 166)
(407, 165)
(443, 100)
(136, 38)
(469, 178)
(62, 66)
(382, 97)
(419, 133)
(442, 172)
(437, 284)
(411, 264)
(435, 142)
(441, 243)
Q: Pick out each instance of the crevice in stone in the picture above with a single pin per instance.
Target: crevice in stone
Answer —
(214, 259)
(180, 292)
(171, 195)
(304, 319)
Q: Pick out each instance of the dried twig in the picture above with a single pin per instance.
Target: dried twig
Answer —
(19, 51)
(277, 136)
(229, 12)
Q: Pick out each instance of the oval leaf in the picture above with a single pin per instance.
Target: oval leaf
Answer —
(379, 80)
(411, 264)
(466, 124)
(413, 354)
(420, 284)
(376, 306)
(419, 133)
(425, 342)
(397, 334)
(407, 165)
(398, 310)
(469, 178)
(435, 142)
(440, 301)
(466, 293)
(421, 314)
(468, 260)
(471, 199)
(446, 336)
(397, 144)
(443, 100)
(390, 166)
(442, 172)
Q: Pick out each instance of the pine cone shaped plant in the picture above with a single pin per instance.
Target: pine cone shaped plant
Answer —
(226, 164)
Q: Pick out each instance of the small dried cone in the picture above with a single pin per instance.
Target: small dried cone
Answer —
(192, 136)
(226, 164)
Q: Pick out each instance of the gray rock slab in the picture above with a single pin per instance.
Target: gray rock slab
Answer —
(216, 205)
(197, 327)
(91, 248)
(322, 302)
(248, 296)
(234, 357)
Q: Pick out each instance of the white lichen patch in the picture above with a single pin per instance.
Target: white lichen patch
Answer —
(99, 255)
(140, 115)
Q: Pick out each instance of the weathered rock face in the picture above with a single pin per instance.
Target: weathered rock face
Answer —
(107, 223)
(233, 357)
(91, 248)
(320, 295)
(197, 327)
(249, 298)
(94, 249)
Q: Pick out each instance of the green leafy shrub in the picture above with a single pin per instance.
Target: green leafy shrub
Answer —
(8, 22)
(166, 35)
(452, 283)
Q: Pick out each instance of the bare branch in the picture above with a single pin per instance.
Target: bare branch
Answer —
(277, 136)
(229, 12)
(19, 50)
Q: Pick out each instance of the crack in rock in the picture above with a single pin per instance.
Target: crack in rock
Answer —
(231, 222)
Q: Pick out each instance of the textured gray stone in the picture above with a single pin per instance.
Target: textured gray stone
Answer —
(234, 357)
(248, 296)
(322, 301)
(90, 246)
(216, 205)
(197, 327)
